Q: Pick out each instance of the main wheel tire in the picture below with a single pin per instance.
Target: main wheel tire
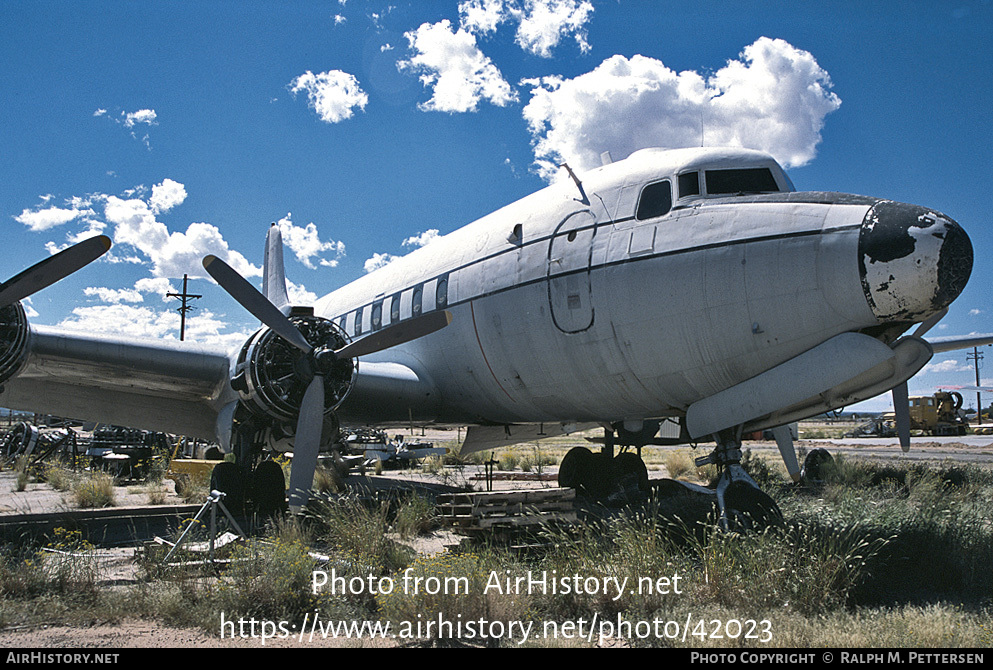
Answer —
(230, 480)
(268, 489)
(574, 467)
(630, 463)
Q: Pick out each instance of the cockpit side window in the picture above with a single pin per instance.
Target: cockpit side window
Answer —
(655, 200)
(689, 184)
(745, 180)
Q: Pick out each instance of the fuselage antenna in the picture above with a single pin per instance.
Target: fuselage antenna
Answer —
(579, 184)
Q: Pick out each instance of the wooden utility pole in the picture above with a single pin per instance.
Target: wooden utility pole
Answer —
(184, 297)
(975, 356)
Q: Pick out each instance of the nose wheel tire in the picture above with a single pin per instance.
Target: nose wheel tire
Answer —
(749, 508)
(630, 465)
(574, 467)
(815, 466)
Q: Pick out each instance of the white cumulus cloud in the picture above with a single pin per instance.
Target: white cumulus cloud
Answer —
(306, 244)
(146, 322)
(378, 261)
(146, 116)
(130, 120)
(949, 365)
(114, 295)
(334, 95)
(451, 64)
(481, 17)
(773, 98)
(166, 195)
(51, 217)
(172, 254)
(543, 24)
(422, 239)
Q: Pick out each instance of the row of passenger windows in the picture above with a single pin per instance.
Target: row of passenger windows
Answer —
(406, 304)
(656, 198)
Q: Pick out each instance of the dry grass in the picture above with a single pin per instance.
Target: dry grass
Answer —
(95, 489)
(881, 556)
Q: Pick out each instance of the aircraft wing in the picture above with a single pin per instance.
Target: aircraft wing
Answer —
(162, 385)
(943, 344)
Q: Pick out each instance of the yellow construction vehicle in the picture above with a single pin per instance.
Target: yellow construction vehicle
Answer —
(938, 414)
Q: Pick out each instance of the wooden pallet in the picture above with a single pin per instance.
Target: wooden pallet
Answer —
(468, 512)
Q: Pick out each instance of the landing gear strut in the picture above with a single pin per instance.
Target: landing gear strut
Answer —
(740, 503)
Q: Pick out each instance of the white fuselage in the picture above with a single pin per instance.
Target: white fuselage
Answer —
(589, 313)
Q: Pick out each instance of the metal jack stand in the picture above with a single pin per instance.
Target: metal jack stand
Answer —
(212, 503)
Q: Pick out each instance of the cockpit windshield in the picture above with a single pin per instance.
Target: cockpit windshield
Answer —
(741, 180)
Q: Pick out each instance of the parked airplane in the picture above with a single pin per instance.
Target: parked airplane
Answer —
(692, 285)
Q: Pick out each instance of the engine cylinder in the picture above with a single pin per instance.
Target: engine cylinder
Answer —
(272, 375)
(13, 340)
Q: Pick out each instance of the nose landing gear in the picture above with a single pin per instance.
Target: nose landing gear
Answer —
(741, 505)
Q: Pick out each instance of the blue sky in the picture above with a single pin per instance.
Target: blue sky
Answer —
(185, 128)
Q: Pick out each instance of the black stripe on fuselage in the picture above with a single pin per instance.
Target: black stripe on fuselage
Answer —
(793, 197)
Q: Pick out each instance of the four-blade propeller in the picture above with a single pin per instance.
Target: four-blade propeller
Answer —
(311, 418)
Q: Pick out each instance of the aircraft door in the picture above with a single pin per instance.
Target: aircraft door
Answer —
(570, 253)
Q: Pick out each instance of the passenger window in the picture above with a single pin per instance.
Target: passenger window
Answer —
(655, 200)
(358, 321)
(749, 180)
(689, 184)
(415, 307)
(377, 316)
(441, 294)
(395, 309)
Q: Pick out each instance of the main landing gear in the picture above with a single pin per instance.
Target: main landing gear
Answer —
(604, 477)
(254, 484)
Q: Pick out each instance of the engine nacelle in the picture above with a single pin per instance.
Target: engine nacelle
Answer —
(13, 340)
(272, 375)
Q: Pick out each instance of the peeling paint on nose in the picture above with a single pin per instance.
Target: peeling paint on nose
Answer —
(913, 261)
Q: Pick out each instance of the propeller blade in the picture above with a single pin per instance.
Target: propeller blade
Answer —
(930, 323)
(901, 407)
(784, 440)
(391, 336)
(307, 443)
(249, 297)
(52, 269)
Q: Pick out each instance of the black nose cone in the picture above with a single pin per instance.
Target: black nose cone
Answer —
(913, 261)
